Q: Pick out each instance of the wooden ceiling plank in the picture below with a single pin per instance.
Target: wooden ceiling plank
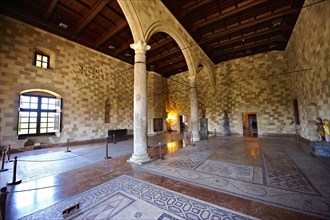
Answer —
(162, 56)
(108, 35)
(171, 67)
(49, 10)
(173, 61)
(220, 53)
(202, 23)
(92, 13)
(161, 44)
(264, 33)
(192, 5)
(247, 25)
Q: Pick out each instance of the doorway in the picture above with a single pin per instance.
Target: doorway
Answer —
(250, 124)
(183, 123)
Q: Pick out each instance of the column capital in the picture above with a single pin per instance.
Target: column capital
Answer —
(140, 47)
(192, 81)
(192, 77)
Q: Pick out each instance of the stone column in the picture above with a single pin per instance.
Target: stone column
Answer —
(194, 109)
(140, 153)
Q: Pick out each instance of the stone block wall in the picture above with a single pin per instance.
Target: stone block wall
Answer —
(308, 53)
(178, 98)
(157, 93)
(259, 83)
(84, 78)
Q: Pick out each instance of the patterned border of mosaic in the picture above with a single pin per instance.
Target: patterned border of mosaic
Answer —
(126, 197)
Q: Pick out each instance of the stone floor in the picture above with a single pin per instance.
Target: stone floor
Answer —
(283, 168)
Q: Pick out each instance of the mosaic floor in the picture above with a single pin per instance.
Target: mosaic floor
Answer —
(259, 170)
(32, 167)
(129, 198)
(268, 178)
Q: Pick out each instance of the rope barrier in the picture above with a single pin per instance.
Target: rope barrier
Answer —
(3, 161)
(57, 159)
(8, 154)
(23, 150)
(87, 178)
(107, 150)
(3, 199)
(67, 146)
(15, 182)
(160, 151)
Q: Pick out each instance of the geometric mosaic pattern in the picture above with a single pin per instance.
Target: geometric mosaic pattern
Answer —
(277, 180)
(229, 170)
(128, 198)
(192, 160)
(281, 172)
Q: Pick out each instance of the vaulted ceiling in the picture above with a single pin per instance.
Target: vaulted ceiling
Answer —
(224, 29)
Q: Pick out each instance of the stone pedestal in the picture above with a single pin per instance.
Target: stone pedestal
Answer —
(320, 148)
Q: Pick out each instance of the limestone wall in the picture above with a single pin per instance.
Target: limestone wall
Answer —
(178, 98)
(259, 83)
(157, 93)
(308, 53)
(84, 78)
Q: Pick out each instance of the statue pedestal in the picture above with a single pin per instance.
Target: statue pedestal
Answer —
(320, 148)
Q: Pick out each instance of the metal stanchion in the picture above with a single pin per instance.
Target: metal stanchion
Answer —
(3, 161)
(114, 138)
(107, 150)
(3, 199)
(8, 154)
(67, 146)
(160, 151)
(14, 182)
(215, 132)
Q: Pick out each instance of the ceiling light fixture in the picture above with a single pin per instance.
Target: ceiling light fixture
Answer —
(62, 25)
(112, 47)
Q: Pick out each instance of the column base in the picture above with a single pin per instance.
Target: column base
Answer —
(140, 159)
(196, 139)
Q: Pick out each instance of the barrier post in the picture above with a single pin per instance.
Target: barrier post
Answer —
(3, 199)
(8, 154)
(215, 132)
(67, 145)
(107, 150)
(114, 138)
(3, 161)
(160, 151)
(14, 182)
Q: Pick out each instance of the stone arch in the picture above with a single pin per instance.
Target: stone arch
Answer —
(43, 91)
(188, 53)
(133, 20)
(209, 70)
(36, 87)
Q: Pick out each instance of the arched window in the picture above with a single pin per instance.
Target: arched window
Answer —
(39, 114)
